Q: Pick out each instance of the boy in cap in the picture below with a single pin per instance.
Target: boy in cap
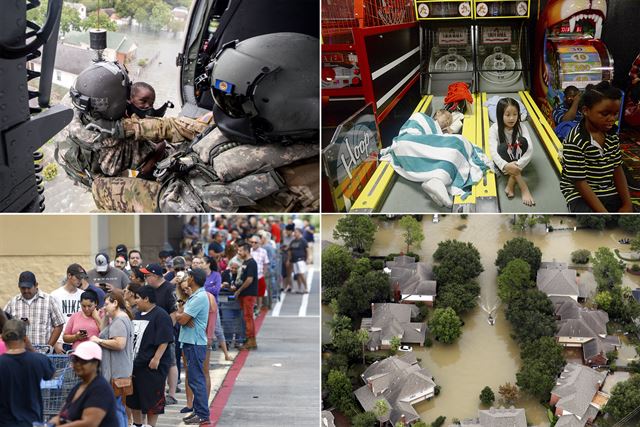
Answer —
(107, 277)
(20, 374)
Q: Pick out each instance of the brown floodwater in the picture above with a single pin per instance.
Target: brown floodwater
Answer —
(483, 355)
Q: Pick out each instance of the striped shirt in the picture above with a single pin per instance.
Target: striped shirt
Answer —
(43, 313)
(585, 159)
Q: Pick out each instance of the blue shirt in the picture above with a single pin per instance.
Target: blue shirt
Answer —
(197, 307)
(561, 110)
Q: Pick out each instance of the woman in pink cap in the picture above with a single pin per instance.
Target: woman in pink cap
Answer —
(91, 402)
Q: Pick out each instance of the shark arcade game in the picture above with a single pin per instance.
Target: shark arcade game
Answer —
(447, 55)
(503, 71)
(568, 50)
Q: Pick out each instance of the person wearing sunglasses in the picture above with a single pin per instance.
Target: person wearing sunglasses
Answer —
(91, 401)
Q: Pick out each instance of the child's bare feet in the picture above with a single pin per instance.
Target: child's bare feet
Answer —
(527, 198)
(510, 186)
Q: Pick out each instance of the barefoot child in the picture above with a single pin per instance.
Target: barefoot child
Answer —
(510, 147)
(592, 176)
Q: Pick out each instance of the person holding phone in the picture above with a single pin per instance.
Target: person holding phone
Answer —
(85, 323)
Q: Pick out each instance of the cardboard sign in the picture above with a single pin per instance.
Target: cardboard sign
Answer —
(352, 156)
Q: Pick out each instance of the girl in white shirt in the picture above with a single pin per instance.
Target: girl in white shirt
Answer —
(510, 147)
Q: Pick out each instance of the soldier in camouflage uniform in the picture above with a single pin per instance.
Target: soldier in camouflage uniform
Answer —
(261, 155)
(131, 146)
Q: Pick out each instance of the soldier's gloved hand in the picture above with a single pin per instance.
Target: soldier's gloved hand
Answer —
(113, 128)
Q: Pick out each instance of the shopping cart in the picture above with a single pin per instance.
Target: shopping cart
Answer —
(55, 391)
(231, 319)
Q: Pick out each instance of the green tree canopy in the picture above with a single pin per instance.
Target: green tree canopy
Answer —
(362, 289)
(346, 342)
(514, 279)
(381, 408)
(356, 231)
(487, 397)
(413, 235)
(606, 269)
(629, 223)
(581, 256)
(445, 325)
(336, 266)
(596, 222)
(519, 247)
(531, 315)
(542, 362)
(395, 344)
(625, 398)
(458, 262)
(364, 419)
(339, 392)
(69, 18)
(98, 20)
(635, 243)
(460, 297)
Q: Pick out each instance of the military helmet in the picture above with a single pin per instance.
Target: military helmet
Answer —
(266, 88)
(102, 90)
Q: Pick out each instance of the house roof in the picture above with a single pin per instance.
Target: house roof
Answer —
(394, 320)
(414, 333)
(503, 417)
(414, 278)
(565, 307)
(397, 380)
(570, 421)
(497, 417)
(328, 419)
(576, 387)
(116, 41)
(556, 278)
(71, 59)
(599, 346)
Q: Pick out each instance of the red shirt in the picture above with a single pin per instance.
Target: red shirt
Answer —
(275, 232)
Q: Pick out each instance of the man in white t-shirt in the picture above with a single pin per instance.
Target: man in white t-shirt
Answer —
(68, 298)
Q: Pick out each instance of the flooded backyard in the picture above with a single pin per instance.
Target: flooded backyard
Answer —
(484, 355)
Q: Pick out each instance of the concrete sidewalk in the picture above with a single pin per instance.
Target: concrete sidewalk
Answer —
(277, 384)
(280, 382)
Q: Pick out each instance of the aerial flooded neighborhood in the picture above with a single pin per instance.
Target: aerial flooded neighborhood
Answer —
(481, 320)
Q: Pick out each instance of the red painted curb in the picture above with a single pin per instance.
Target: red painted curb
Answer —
(222, 397)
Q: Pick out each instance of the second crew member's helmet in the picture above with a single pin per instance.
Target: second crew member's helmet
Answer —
(266, 88)
(102, 90)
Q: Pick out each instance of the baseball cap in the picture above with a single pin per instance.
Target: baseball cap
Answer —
(14, 330)
(26, 280)
(178, 262)
(199, 276)
(121, 249)
(152, 269)
(77, 271)
(102, 262)
(138, 273)
(88, 350)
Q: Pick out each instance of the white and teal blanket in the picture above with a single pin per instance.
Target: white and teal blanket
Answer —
(446, 164)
